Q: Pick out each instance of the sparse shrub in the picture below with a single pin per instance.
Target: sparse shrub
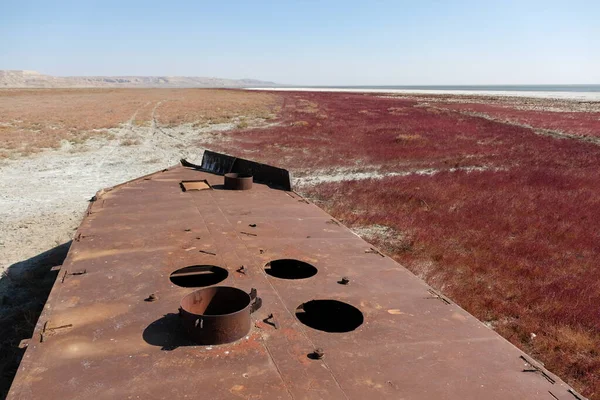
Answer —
(404, 137)
(140, 123)
(130, 142)
(300, 123)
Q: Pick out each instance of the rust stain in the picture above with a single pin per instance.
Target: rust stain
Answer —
(89, 255)
(395, 311)
(458, 316)
(77, 347)
(90, 314)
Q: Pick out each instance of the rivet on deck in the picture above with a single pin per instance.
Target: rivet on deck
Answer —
(151, 298)
(317, 354)
(438, 296)
(271, 321)
(46, 330)
(373, 250)
(74, 273)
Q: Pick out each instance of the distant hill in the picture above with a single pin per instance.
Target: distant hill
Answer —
(34, 79)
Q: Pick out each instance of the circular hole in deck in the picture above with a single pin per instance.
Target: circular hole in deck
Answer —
(329, 316)
(290, 269)
(199, 276)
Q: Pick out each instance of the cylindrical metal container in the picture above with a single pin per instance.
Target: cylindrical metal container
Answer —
(235, 181)
(218, 314)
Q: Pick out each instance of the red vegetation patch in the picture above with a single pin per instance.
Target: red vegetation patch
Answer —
(514, 242)
(332, 130)
(573, 123)
(355, 130)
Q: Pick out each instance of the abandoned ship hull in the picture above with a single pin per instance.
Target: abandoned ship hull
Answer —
(344, 322)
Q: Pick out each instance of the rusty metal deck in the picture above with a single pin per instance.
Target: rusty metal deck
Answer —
(99, 338)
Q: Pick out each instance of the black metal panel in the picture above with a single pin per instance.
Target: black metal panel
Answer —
(217, 163)
(222, 164)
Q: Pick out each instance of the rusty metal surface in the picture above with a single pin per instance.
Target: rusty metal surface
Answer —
(218, 314)
(237, 181)
(194, 185)
(111, 330)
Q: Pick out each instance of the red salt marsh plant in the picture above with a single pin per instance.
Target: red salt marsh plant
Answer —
(380, 138)
(572, 123)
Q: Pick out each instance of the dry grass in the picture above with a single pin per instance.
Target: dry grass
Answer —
(31, 120)
(243, 124)
(404, 137)
(214, 106)
(300, 123)
(130, 142)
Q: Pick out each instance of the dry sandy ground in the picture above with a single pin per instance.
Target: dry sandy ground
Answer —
(43, 197)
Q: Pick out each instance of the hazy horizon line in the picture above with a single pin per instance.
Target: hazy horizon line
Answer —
(366, 85)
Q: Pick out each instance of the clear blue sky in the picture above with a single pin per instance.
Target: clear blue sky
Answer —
(309, 42)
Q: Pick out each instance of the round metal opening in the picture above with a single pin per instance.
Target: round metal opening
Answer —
(238, 181)
(329, 315)
(216, 315)
(290, 269)
(199, 276)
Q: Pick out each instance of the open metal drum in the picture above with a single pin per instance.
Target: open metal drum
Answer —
(218, 314)
(234, 181)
